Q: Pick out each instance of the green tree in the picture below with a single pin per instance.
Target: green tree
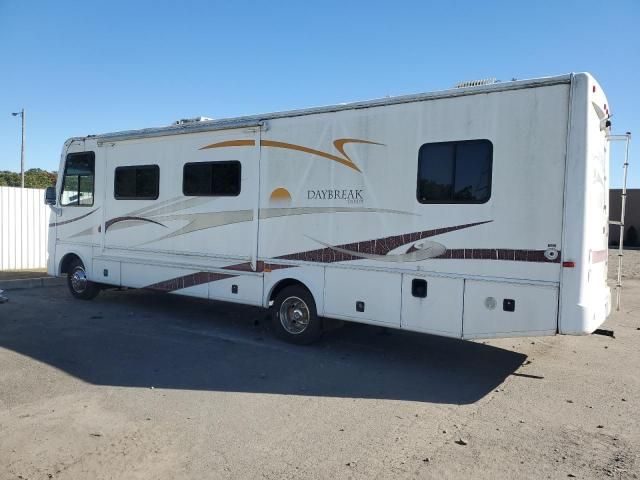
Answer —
(38, 178)
(9, 179)
(33, 178)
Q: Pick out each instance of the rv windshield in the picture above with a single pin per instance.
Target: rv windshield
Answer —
(78, 181)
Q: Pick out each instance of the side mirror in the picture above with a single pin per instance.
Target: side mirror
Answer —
(50, 196)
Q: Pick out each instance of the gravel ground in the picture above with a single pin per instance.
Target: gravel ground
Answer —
(139, 385)
(630, 264)
(20, 274)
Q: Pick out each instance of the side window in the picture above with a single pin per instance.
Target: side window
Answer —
(211, 179)
(139, 182)
(455, 172)
(78, 181)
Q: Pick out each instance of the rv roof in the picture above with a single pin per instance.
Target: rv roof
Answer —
(255, 120)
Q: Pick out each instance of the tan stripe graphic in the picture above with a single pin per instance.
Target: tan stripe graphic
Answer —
(338, 144)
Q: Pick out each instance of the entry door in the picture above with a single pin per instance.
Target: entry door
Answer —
(220, 187)
(206, 208)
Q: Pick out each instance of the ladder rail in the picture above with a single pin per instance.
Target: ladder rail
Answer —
(623, 198)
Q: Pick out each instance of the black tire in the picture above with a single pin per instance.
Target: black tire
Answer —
(294, 316)
(78, 284)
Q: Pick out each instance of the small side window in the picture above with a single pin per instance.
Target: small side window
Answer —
(138, 182)
(78, 180)
(211, 179)
(455, 172)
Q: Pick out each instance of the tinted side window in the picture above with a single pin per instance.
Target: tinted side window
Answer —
(78, 180)
(455, 172)
(139, 182)
(211, 179)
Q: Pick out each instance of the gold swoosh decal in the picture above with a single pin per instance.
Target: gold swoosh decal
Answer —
(338, 144)
(231, 143)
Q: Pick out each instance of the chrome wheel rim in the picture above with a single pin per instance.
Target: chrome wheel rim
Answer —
(79, 280)
(294, 315)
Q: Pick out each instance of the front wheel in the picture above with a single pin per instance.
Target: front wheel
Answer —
(294, 316)
(79, 285)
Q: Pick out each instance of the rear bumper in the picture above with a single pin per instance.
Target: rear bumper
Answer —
(589, 316)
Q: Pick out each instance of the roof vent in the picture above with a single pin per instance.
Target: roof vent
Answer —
(476, 83)
(186, 121)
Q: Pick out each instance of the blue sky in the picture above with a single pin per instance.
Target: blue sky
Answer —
(90, 67)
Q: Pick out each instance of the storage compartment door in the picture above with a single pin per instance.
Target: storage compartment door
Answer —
(363, 295)
(244, 288)
(106, 271)
(432, 305)
(499, 309)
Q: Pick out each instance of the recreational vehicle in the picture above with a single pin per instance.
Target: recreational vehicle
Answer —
(475, 212)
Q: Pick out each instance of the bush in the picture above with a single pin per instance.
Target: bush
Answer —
(33, 178)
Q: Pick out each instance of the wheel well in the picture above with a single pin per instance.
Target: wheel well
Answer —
(66, 262)
(282, 284)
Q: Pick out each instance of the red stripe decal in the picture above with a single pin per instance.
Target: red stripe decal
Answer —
(379, 246)
(199, 278)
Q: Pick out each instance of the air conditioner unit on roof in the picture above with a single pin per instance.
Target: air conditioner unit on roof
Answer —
(185, 121)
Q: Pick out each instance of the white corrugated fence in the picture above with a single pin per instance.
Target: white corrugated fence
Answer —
(24, 227)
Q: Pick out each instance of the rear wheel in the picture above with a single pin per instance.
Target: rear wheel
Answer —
(79, 285)
(294, 316)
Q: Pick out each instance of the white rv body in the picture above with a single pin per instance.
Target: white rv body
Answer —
(329, 199)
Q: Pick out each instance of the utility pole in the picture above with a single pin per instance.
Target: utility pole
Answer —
(21, 113)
